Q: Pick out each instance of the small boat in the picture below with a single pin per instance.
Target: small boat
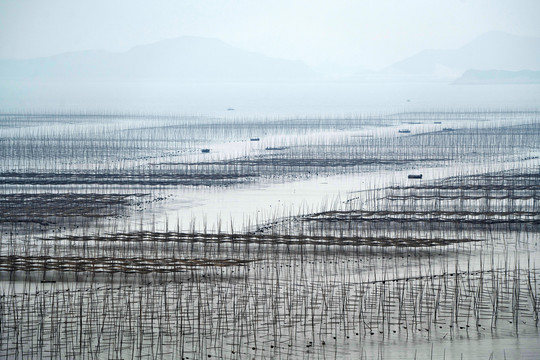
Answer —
(415, 176)
(254, 139)
(437, 122)
(230, 109)
(447, 129)
(205, 150)
(404, 131)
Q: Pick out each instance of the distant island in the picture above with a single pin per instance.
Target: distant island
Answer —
(492, 50)
(472, 77)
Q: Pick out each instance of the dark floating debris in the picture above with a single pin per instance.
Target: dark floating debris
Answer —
(275, 148)
(48, 281)
(437, 122)
(447, 129)
(415, 176)
(205, 150)
(230, 109)
(254, 139)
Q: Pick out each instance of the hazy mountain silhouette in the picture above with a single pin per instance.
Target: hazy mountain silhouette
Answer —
(493, 50)
(184, 59)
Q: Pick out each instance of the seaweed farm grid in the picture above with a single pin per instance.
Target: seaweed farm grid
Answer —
(115, 242)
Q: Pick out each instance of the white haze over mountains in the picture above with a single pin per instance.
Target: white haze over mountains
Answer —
(335, 35)
(317, 56)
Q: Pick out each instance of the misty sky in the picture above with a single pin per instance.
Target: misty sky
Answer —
(356, 34)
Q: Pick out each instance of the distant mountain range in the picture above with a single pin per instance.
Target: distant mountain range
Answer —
(196, 59)
(493, 50)
(184, 59)
(472, 77)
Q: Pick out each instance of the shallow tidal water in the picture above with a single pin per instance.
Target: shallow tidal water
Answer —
(236, 253)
